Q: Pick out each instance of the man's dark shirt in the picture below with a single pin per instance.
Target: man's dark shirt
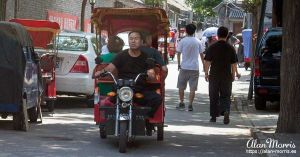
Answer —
(153, 53)
(129, 67)
(221, 55)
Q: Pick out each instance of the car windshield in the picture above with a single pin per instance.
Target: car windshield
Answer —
(72, 43)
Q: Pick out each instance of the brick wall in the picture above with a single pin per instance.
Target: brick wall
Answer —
(37, 9)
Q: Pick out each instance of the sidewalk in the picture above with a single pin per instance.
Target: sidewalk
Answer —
(263, 123)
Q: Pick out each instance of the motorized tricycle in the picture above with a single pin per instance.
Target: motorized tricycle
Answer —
(117, 112)
(43, 32)
(20, 90)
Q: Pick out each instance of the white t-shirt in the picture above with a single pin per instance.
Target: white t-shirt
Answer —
(190, 48)
(104, 50)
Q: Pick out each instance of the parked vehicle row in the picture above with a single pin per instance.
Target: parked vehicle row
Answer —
(42, 33)
(20, 80)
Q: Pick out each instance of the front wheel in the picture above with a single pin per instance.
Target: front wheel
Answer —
(160, 132)
(123, 137)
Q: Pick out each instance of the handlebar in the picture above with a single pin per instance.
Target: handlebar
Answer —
(138, 76)
(104, 74)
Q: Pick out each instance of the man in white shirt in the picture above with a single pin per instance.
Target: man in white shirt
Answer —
(190, 47)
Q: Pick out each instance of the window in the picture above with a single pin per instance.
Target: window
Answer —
(72, 43)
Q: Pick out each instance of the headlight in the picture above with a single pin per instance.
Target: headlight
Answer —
(125, 94)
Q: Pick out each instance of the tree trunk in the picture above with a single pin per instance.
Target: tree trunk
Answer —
(289, 116)
(2, 10)
(83, 5)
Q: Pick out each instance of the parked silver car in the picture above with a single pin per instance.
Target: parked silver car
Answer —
(75, 64)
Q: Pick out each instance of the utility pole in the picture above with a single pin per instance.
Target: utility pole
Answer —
(2, 10)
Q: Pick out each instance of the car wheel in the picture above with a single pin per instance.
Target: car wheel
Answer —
(20, 119)
(260, 103)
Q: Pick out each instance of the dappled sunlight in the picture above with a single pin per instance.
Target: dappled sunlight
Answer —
(206, 131)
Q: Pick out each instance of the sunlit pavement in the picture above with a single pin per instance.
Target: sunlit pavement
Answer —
(70, 131)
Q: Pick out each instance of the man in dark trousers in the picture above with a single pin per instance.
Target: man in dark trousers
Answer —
(220, 61)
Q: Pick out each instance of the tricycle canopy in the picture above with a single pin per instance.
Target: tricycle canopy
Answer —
(116, 20)
(13, 40)
(41, 31)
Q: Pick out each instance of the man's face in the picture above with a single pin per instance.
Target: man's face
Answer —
(135, 41)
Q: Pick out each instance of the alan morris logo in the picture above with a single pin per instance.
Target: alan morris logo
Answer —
(270, 143)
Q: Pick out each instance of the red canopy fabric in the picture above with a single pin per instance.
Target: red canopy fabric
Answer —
(41, 31)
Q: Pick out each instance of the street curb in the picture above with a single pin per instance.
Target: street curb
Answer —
(254, 131)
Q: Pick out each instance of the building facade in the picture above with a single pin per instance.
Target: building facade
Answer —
(66, 13)
(231, 15)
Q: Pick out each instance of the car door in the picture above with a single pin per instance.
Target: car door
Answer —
(30, 78)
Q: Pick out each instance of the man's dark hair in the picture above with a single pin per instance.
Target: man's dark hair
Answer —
(222, 32)
(190, 29)
(141, 35)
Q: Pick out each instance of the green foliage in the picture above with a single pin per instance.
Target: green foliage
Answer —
(203, 8)
(154, 3)
(251, 5)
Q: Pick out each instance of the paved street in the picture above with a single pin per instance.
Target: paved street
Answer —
(70, 131)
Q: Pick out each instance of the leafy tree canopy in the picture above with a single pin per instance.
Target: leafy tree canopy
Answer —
(251, 5)
(203, 7)
(154, 3)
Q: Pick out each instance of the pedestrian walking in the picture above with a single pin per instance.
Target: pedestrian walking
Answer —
(190, 48)
(220, 69)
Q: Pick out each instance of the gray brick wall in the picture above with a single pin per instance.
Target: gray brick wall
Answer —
(37, 9)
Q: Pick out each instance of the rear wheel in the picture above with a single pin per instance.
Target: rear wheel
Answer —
(50, 105)
(102, 132)
(260, 103)
(123, 137)
(33, 114)
(160, 132)
(20, 119)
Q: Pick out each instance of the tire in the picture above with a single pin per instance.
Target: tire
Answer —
(260, 103)
(160, 132)
(102, 132)
(20, 119)
(123, 137)
(90, 101)
(50, 105)
(33, 114)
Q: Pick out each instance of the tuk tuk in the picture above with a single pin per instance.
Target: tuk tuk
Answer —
(125, 118)
(20, 88)
(43, 32)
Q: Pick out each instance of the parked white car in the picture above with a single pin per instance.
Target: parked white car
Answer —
(75, 63)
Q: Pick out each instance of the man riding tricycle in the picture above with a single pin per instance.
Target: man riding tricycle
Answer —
(43, 32)
(135, 105)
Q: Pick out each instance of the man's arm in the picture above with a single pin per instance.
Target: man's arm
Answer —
(202, 59)
(233, 70)
(206, 68)
(110, 68)
(151, 74)
(178, 59)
